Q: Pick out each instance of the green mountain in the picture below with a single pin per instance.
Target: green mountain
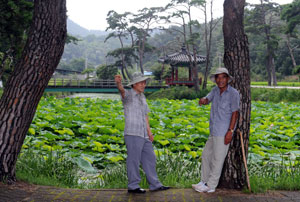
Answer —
(76, 30)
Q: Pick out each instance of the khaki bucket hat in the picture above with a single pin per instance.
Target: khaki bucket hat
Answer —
(220, 70)
(137, 77)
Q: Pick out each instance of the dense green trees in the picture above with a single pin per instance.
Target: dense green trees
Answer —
(106, 72)
(291, 14)
(29, 79)
(15, 20)
(263, 21)
(135, 27)
(77, 64)
(281, 45)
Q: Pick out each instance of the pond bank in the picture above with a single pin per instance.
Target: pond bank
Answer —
(111, 96)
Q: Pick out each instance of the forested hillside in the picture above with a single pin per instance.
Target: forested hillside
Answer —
(276, 41)
(272, 30)
(76, 30)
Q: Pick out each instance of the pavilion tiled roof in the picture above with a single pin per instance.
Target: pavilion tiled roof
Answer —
(181, 58)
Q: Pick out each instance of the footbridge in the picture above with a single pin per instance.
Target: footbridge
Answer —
(95, 86)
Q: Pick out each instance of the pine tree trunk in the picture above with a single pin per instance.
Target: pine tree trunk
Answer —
(29, 79)
(268, 68)
(236, 60)
(288, 43)
(270, 52)
(274, 79)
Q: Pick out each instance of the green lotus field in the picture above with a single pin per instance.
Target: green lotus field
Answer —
(90, 131)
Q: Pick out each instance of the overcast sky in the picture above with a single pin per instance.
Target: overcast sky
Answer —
(91, 14)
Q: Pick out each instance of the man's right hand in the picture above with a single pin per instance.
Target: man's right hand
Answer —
(118, 79)
(203, 101)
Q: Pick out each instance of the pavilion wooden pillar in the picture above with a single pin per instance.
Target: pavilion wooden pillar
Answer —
(172, 77)
(176, 74)
(190, 73)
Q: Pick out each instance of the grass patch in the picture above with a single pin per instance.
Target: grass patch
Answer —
(274, 177)
(176, 170)
(52, 169)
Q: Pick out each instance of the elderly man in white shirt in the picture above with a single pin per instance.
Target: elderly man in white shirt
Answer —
(138, 135)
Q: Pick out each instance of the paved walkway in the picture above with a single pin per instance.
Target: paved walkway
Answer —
(53, 194)
(276, 87)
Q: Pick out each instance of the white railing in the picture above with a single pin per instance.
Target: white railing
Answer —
(62, 82)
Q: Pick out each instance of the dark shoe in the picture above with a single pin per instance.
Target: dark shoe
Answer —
(137, 191)
(162, 188)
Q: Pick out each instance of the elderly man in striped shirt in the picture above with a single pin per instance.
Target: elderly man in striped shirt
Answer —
(138, 135)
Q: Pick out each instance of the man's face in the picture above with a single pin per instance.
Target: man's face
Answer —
(222, 80)
(139, 87)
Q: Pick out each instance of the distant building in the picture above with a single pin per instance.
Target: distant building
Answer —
(146, 73)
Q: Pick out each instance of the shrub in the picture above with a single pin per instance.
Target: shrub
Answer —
(177, 93)
(275, 95)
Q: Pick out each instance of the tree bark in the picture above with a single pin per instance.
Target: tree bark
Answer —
(25, 87)
(236, 60)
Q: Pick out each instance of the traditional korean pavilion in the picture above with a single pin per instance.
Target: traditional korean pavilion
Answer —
(181, 59)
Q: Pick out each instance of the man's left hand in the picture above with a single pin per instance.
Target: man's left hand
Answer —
(151, 137)
(228, 137)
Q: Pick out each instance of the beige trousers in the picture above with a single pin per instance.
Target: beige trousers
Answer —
(213, 157)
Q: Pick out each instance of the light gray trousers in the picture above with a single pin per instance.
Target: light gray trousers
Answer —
(213, 157)
(140, 151)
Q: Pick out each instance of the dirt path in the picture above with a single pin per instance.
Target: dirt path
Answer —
(22, 192)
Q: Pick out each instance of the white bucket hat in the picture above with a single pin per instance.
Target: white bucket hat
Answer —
(137, 77)
(220, 70)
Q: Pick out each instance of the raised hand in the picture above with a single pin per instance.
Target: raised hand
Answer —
(118, 79)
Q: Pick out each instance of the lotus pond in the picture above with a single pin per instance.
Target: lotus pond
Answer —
(90, 131)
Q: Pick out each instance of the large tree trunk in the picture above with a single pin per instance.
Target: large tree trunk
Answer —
(270, 52)
(269, 58)
(194, 63)
(208, 37)
(270, 61)
(236, 60)
(29, 79)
